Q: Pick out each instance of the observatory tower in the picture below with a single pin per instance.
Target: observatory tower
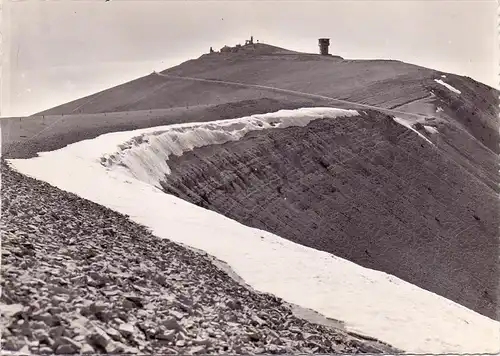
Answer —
(323, 43)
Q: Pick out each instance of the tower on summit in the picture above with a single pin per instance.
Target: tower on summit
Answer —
(323, 43)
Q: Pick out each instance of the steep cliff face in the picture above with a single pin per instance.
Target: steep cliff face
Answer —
(366, 189)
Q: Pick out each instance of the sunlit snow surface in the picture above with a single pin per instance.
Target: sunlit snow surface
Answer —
(407, 124)
(145, 155)
(453, 89)
(368, 301)
(431, 129)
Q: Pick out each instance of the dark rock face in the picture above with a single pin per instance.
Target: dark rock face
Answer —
(366, 189)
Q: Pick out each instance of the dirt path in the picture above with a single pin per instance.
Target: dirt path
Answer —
(298, 93)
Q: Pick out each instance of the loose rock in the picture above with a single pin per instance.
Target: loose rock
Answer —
(84, 279)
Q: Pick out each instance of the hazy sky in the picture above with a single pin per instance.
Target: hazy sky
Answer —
(62, 50)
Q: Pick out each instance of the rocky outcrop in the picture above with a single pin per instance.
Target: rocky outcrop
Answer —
(366, 189)
(79, 278)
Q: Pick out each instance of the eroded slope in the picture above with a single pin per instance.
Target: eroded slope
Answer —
(366, 189)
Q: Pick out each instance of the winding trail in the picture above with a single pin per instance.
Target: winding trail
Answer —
(293, 92)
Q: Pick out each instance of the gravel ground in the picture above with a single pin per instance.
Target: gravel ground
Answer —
(80, 278)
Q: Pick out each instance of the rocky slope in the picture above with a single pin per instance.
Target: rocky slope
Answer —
(366, 189)
(79, 278)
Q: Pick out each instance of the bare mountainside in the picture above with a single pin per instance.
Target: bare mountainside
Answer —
(422, 207)
(366, 189)
(266, 69)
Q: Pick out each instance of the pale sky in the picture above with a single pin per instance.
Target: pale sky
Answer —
(62, 50)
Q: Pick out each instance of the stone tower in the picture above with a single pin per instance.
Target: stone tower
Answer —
(323, 43)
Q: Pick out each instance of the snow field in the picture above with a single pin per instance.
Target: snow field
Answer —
(368, 301)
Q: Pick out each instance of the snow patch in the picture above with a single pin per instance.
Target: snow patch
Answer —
(407, 124)
(448, 86)
(431, 129)
(368, 301)
(145, 156)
